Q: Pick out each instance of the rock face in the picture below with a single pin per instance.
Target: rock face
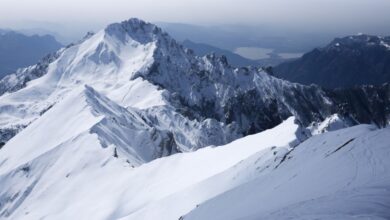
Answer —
(366, 104)
(345, 62)
(140, 67)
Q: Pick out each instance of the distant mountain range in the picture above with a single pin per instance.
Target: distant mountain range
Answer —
(345, 62)
(18, 50)
(230, 37)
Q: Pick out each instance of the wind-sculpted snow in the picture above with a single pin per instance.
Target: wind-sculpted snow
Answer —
(86, 111)
(127, 132)
(332, 123)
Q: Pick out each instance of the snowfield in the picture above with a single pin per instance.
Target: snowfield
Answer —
(128, 124)
(337, 175)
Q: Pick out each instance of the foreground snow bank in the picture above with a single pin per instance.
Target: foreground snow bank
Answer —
(78, 178)
(337, 175)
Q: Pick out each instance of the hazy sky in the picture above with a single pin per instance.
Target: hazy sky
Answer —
(364, 15)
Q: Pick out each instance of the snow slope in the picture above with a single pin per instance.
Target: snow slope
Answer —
(101, 61)
(83, 176)
(336, 175)
(270, 175)
(92, 113)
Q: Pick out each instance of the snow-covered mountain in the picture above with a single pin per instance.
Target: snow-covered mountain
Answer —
(112, 62)
(138, 65)
(124, 124)
(344, 63)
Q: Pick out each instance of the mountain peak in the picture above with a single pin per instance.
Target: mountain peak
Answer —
(135, 28)
(357, 41)
(344, 62)
(136, 22)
